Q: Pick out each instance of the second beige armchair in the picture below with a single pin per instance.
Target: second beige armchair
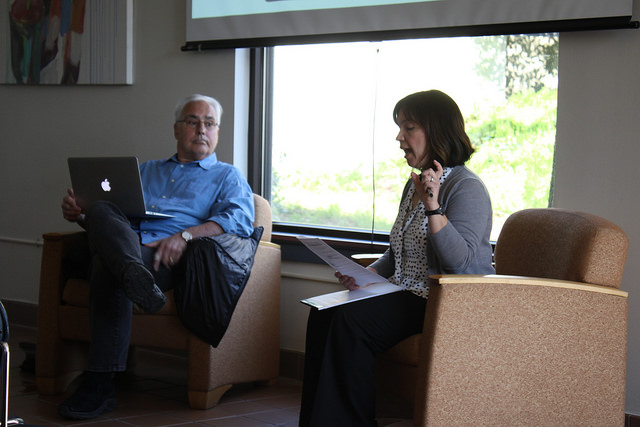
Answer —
(543, 342)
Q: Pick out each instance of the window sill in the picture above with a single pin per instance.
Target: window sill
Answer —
(344, 241)
(347, 242)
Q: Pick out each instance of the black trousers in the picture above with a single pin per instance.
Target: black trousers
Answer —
(341, 346)
(113, 244)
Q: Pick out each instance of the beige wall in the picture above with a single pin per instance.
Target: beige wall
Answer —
(597, 148)
(43, 125)
(597, 151)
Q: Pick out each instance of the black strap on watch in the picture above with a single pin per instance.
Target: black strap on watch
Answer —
(439, 211)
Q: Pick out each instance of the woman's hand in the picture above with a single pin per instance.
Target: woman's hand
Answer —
(348, 281)
(428, 189)
(428, 185)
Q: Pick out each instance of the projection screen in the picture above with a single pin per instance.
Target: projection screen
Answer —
(248, 23)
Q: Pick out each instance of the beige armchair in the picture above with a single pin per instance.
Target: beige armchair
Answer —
(545, 349)
(248, 352)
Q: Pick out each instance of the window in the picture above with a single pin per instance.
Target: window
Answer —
(335, 162)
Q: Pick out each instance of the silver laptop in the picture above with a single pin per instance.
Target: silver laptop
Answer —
(115, 179)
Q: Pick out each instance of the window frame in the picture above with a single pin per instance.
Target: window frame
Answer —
(346, 241)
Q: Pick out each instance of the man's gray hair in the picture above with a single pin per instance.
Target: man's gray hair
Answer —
(195, 98)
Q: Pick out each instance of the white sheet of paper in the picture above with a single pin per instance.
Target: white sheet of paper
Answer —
(340, 262)
(372, 284)
(342, 297)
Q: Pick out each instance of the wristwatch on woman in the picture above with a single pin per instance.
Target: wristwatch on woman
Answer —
(439, 211)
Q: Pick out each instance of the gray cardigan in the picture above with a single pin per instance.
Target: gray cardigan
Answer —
(462, 246)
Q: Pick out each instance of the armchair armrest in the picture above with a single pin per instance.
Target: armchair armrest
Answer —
(56, 247)
(499, 348)
(69, 237)
(478, 279)
(54, 250)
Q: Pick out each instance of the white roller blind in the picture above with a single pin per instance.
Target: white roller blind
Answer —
(235, 23)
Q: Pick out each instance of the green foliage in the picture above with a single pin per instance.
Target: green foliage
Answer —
(515, 147)
(518, 62)
(514, 157)
(514, 143)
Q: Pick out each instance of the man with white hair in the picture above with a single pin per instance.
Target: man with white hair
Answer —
(132, 260)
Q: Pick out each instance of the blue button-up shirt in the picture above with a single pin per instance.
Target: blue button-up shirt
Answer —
(195, 192)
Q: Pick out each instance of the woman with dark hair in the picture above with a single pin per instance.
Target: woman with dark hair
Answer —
(442, 227)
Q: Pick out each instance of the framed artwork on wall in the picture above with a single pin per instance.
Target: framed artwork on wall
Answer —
(66, 42)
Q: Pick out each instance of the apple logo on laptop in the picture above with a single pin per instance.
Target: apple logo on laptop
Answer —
(106, 186)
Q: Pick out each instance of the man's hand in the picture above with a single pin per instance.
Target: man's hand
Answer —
(168, 250)
(70, 209)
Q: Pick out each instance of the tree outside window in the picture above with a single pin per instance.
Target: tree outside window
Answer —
(336, 162)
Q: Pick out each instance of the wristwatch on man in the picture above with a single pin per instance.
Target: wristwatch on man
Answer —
(187, 236)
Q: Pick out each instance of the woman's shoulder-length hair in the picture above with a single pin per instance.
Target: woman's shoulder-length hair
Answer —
(440, 117)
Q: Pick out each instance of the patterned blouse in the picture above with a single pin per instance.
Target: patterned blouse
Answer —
(408, 240)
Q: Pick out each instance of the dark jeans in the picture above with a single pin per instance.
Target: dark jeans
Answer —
(113, 244)
(341, 348)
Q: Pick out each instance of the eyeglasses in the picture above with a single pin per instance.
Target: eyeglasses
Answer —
(195, 123)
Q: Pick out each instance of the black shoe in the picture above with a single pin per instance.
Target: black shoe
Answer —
(94, 396)
(139, 285)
